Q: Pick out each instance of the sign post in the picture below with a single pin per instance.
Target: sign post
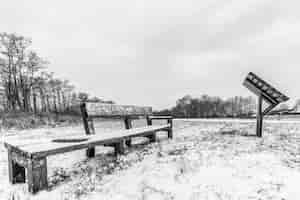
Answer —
(265, 92)
(259, 117)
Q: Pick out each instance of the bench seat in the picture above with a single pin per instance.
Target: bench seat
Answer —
(43, 148)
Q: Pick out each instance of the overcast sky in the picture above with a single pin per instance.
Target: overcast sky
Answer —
(152, 52)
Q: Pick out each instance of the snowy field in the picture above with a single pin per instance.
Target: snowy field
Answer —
(207, 159)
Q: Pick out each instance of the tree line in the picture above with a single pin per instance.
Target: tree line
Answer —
(208, 106)
(27, 86)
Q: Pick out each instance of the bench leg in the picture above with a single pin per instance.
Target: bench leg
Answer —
(128, 125)
(120, 147)
(16, 171)
(128, 143)
(170, 133)
(152, 138)
(37, 175)
(90, 152)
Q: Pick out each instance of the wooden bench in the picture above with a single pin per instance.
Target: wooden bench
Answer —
(28, 158)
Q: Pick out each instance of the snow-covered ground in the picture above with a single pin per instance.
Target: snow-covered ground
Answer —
(207, 159)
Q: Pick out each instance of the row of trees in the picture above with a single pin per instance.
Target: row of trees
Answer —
(207, 106)
(26, 85)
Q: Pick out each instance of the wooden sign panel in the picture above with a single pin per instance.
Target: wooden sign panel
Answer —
(261, 88)
(101, 109)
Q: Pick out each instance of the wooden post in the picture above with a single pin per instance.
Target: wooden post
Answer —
(149, 121)
(170, 131)
(89, 129)
(152, 137)
(37, 174)
(16, 171)
(120, 147)
(128, 125)
(259, 118)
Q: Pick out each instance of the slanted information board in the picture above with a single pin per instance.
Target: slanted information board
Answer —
(265, 92)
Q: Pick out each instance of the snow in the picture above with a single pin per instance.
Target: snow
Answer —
(207, 159)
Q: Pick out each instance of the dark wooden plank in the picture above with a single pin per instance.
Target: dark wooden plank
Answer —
(15, 170)
(120, 147)
(160, 117)
(128, 125)
(259, 118)
(37, 175)
(91, 152)
(258, 92)
(268, 109)
(149, 121)
(30, 177)
(10, 167)
(50, 148)
(13, 146)
(84, 115)
(44, 174)
(169, 120)
(102, 110)
(170, 130)
(89, 129)
(261, 87)
(152, 137)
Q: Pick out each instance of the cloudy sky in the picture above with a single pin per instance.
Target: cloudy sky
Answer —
(152, 52)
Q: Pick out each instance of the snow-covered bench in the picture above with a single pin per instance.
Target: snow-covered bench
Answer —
(29, 158)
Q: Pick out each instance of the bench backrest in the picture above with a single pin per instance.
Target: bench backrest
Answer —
(112, 110)
(90, 110)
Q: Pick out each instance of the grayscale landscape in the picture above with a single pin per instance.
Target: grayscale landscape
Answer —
(150, 100)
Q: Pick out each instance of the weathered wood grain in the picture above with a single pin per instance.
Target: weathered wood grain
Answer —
(105, 110)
